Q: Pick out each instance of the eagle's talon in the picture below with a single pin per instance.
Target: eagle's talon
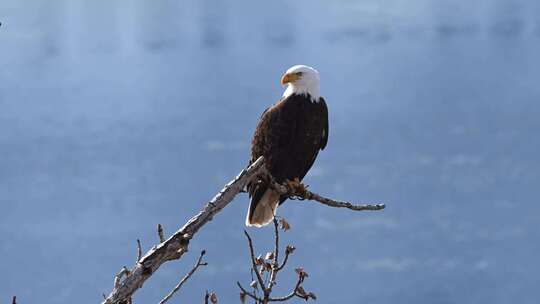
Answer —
(297, 189)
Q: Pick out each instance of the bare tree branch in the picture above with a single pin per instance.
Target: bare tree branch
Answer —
(118, 278)
(251, 295)
(127, 282)
(160, 233)
(139, 250)
(273, 268)
(275, 264)
(297, 191)
(185, 278)
(175, 246)
(342, 204)
(288, 250)
(254, 261)
(290, 295)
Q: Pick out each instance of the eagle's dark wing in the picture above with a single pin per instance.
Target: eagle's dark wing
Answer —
(275, 135)
(324, 117)
(311, 137)
(273, 139)
(289, 135)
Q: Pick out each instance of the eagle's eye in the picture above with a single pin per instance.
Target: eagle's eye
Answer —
(299, 74)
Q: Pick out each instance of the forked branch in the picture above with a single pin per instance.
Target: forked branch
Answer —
(271, 264)
(128, 281)
(175, 246)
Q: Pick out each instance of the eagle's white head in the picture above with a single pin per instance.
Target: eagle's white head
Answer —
(302, 79)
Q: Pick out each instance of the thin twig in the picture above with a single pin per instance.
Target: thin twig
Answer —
(253, 263)
(255, 290)
(160, 233)
(297, 191)
(265, 298)
(251, 295)
(118, 278)
(175, 246)
(288, 251)
(343, 204)
(276, 249)
(290, 295)
(139, 250)
(185, 278)
(275, 265)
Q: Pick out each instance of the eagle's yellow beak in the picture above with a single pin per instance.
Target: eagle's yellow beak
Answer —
(287, 78)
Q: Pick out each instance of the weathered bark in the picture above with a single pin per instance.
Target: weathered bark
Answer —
(129, 281)
(175, 246)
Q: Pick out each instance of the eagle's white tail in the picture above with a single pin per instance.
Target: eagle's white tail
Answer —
(264, 211)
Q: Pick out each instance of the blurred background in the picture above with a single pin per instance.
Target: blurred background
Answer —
(118, 115)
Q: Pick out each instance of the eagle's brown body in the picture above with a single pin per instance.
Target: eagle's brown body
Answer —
(289, 135)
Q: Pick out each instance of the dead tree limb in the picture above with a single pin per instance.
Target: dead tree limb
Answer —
(160, 233)
(175, 246)
(127, 282)
(297, 191)
(139, 250)
(254, 260)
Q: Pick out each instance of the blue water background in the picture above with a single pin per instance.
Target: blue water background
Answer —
(118, 115)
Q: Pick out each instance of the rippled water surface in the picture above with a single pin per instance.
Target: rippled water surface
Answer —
(118, 115)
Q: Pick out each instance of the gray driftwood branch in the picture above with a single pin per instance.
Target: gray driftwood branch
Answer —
(127, 282)
(175, 246)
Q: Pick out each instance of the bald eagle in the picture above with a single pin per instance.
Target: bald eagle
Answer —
(289, 135)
